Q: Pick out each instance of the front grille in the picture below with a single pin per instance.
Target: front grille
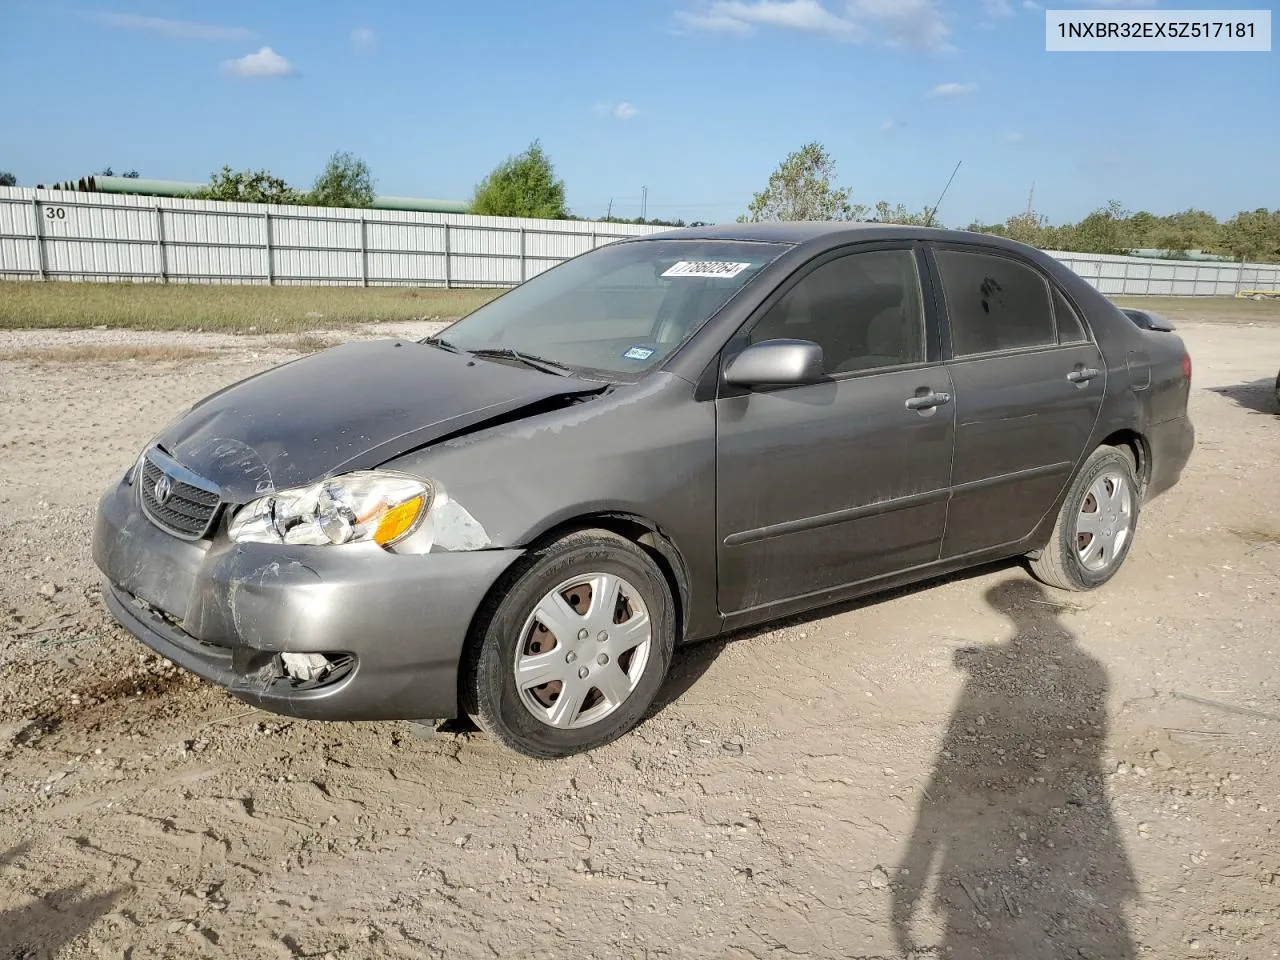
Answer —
(190, 510)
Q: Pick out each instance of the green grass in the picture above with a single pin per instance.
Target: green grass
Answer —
(1211, 309)
(227, 308)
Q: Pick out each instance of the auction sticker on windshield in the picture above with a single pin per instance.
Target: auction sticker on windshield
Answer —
(705, 268)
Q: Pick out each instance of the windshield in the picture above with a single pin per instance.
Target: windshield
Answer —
(618, 310)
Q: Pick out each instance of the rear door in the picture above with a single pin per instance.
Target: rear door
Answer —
(1028, 384)
(827, 484)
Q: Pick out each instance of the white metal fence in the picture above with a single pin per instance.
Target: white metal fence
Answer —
(1142, 276)
(63, 235)
(66, 235)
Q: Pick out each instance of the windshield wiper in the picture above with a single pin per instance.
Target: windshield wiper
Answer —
(528, 359)
(443, 344)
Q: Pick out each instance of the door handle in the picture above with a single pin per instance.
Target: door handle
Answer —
(1082, 376)
(928, 401)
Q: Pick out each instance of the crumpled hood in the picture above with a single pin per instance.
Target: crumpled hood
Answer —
(348, 408)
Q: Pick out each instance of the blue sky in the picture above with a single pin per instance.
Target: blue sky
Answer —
(698, 100)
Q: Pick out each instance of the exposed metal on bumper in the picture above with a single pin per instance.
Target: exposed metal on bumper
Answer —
(230, 608)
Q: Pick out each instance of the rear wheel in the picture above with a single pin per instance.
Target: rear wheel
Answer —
(571, 654)
(1095, 526)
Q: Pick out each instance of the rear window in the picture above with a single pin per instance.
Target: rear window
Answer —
(994, 303)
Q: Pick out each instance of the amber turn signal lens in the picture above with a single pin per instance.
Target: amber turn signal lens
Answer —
(398, 521)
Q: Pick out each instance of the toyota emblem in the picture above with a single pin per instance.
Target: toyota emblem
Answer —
(163, 489)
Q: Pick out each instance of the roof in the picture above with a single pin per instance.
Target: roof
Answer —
(832, 233)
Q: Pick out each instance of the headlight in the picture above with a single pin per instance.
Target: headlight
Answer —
(382, 507)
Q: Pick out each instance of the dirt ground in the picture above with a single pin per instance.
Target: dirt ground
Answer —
(971, 768)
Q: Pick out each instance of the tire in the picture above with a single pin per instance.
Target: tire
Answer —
(1077, 557)
(546, 618)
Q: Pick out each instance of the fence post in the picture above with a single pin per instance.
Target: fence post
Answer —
(266, 231)
(593, 239)
(364, 251)
(39, 228)
(522, 255)
(160, 257)
(448, 271)
(1240, 277)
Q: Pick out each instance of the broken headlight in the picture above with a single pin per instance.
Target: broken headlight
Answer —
(382, 507)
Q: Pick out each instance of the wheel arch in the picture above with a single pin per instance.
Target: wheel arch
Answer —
(1135, 445)
(641, 531)
(635, 528)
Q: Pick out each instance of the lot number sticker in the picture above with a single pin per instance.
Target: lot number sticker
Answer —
(706, 268)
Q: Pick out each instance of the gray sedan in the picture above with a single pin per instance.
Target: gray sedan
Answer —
(656, 442)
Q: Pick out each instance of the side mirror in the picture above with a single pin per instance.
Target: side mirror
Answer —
(776, 363)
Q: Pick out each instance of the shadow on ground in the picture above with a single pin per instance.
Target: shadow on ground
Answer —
(1015, 850)
(692, 660)
(42, 928)
(1258, 396)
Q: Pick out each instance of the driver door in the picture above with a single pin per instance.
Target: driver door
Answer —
(829, 484)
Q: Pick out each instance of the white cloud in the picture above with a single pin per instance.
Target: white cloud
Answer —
(616, 111)
(742, 16)
(997, 9)
(173, 29)
(889, 125)
(713, 22)
(1121, 3)
(953, 89)
(363, 38)
(1013, 137)
(265, 63)
(899, 23)
(903, 23)
(1032, 6)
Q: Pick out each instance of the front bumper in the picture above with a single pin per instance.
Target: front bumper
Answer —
(395, 623)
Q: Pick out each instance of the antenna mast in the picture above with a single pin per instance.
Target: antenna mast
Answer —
(929, 219)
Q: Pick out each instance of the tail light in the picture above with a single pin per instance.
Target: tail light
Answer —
(1186, 367)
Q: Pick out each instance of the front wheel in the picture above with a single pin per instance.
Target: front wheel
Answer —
(571, 653)
(1095, 526)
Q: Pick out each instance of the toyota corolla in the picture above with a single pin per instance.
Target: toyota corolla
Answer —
(656, 442)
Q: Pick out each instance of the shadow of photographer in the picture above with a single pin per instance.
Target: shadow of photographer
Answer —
(1015, 825)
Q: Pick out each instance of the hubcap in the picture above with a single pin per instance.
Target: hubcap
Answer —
(582, 651)
(1105, 521)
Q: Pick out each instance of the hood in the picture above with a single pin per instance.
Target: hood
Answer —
(348, 408)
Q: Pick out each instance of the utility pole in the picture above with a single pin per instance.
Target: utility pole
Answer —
(1031, 198)
(644, 203)
(609, 214)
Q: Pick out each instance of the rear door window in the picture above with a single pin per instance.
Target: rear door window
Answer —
(994, 303)
(1070, 329)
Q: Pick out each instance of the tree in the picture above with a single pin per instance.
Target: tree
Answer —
(249, 186)
(801, 189)
(1102, 231)
(1188, 230)
(7, 179)
(1027, 227)
(524, 185)
(1253, 235)
(344, 182)
(900, 214)
(108, 172)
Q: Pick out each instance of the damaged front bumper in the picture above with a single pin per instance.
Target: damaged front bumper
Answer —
(391, 627)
